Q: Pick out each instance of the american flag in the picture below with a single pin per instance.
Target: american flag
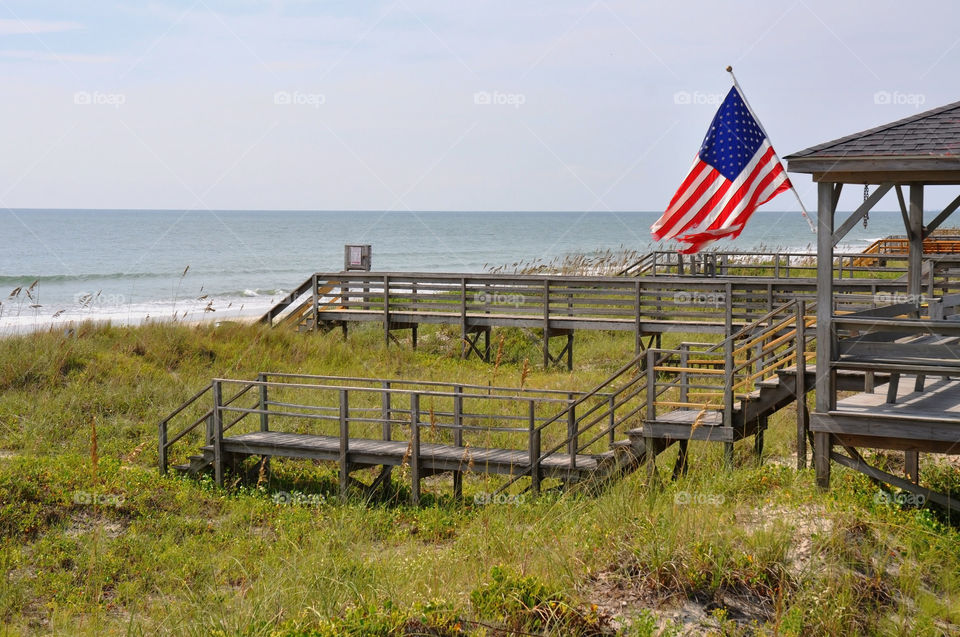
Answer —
(734, 173)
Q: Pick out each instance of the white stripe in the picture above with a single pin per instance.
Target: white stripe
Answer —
(677, 227)
(665, 217)
(738, 183)
(772, 186)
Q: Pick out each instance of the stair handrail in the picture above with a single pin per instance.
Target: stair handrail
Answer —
(286, 301)
(166, 443)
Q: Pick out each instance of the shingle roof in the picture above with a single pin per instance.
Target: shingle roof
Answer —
(933, 133)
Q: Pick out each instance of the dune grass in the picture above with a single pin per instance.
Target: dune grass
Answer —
(94, 541)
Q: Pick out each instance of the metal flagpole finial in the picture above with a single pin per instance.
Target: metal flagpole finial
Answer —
(729, 69)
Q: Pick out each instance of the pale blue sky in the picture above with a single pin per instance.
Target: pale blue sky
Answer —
(374, 105)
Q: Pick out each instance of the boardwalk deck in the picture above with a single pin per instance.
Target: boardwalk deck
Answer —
(433, 457)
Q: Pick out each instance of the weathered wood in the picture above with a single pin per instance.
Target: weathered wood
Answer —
(915, 234)
(415, 468)
(534, 450)
(217, 425)
(824, 384)
(344, 442)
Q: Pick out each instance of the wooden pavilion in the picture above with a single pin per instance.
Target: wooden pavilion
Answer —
(914, 338)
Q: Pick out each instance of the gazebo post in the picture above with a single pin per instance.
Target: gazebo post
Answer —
(915, 234)
(824, 386)
(911, 459)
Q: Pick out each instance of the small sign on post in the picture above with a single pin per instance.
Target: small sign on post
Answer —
(357, 257)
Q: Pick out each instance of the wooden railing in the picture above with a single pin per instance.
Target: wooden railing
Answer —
(616, 303)
(717, 377)
(461, 406)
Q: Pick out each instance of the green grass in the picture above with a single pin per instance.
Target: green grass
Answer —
(115, 548)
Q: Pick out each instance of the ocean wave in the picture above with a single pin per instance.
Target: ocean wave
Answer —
(28, 279)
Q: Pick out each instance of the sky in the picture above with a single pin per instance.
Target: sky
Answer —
(414, 105)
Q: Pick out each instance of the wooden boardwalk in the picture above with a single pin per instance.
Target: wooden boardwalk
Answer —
(555, 306)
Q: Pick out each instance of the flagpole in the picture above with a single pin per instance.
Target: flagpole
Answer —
(803, 210)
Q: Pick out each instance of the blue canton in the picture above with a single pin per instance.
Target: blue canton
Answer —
(733, 138)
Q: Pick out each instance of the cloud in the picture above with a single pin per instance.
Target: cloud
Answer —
(20, 27)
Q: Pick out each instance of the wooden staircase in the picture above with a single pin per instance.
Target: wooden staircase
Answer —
(719, 392)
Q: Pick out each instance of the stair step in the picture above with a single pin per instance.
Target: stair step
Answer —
(182, 468)
(204, 458)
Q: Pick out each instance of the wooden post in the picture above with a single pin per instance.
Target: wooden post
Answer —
(637, 325)
(824, 384)
(612, 407)
(573, 440)
(316, 303)
(728, 391)
(534, 448)
(458, 438)
(911, 459)
(344, 442)
(648, 441)
(264, 417)
(800, 385)
(217, 418)
(386, 411)
(464, 351)
(386, 311)
(162, 448)
(415, 449)
(546, 323)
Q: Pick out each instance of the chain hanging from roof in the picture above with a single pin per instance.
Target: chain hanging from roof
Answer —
(866, 195)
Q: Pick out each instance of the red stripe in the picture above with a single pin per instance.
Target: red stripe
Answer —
(698, 168)
(762, 175)
(712, 177)
(754, 199)
(709, 205)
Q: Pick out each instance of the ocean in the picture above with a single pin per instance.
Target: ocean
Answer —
(127, 266)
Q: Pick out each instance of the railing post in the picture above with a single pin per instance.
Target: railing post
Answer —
(458, 438)
(162, 449)
(386, 411)
(534, 444)
(684, 363)
(546, 323)
(415, 449)
(651, 385)
(613, 419)
(801, 385)
(573, 440)
(728, 396)
(316, 304)
(344, 442)
(217, 424)
(386, 310)
(264, 416)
